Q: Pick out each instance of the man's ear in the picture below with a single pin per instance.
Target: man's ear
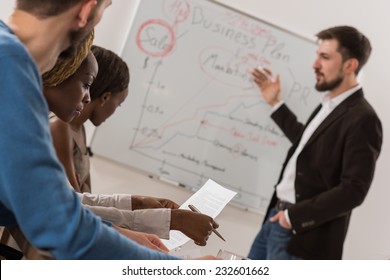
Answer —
(85, 12)
(104, 98)
(351, 65)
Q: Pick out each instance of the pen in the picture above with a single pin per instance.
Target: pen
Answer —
(194, 209)
(268, 76)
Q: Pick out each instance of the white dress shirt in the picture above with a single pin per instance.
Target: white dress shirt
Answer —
(285, 190)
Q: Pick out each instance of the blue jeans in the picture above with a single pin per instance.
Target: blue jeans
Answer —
(270, 243)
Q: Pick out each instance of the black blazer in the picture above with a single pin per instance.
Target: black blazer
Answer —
(333, 174)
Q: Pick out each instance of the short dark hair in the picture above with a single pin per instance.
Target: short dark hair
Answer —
(352, 43)
(113, 75)
(47, 8)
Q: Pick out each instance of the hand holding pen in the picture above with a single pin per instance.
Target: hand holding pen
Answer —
(195, 225)
(194, 209)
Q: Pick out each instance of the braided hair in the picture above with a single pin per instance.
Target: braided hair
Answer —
(65, 68)
(113, 75)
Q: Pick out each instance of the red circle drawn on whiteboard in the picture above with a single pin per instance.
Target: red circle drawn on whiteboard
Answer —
(177, 10)
(164, 25)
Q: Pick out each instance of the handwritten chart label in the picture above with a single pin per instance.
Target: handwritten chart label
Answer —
(155, 38)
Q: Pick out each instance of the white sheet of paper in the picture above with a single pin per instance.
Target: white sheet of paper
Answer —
(186, 254)
(210, 199)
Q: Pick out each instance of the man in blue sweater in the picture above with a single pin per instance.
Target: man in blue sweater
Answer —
(34, 191)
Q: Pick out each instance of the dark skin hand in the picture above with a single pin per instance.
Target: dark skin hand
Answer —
(148, 202)
(196, 226)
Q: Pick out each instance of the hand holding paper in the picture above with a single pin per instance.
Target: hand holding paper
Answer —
(210, 200)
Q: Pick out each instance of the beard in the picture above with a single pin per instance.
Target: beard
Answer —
(330, 85)
(77, 38)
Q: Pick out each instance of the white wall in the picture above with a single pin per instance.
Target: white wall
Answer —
(369, 232)
(6, 7)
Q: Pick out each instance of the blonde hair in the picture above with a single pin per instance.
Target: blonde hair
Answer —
(65, 68)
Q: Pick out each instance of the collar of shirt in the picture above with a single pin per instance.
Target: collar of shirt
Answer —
(331, 103)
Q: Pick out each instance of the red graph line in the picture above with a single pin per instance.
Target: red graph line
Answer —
(167, 125)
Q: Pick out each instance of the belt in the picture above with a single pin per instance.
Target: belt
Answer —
(282, 205)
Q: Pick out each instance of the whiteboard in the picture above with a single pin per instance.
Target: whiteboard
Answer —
(193, 112)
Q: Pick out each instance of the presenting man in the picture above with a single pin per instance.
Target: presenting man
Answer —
(330, 166)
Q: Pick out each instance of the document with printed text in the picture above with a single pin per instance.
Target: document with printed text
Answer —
(209, 200)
